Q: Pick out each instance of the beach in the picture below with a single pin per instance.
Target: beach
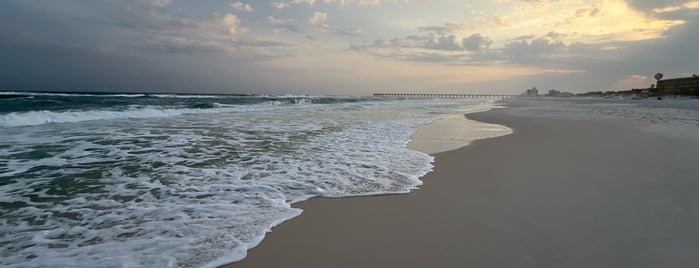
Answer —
(564, 190)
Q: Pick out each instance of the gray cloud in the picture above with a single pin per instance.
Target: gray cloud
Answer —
(525, 37)
(651, 6)
(350, 31)
(477, 43)
(648, 5)
(534, 49)
(443, 43)
(429, 42)
(124, 46)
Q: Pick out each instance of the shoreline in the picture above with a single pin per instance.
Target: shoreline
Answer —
(552, 194)
(453, 131)
(450, 132)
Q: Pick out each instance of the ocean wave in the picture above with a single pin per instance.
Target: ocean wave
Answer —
(194, 191)
(40, 117)
(32, 118)
(187, 96)
(72, 94)
(46, 117)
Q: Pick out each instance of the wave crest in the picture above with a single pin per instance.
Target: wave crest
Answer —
(34, 118)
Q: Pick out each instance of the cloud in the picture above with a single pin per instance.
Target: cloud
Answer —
(581, 21)
(287, 24)
(477, 49)
(241, 6)
(428, 40)
(477, 42)
(557, 35)
(447, 28)
(673, 8)
(430, 48)
(539, 46)
(351, 31)
(430, 57)
(648, 5)
(219, 34)
(319, 19)
(594, 10)
(215, 27)
(443, 43)
(274, 21)
(552, 36)
(279, 5)
(227, 23)
(609, 40)
(288, 3)
(633, 81)
(342, 3)
(161, 3)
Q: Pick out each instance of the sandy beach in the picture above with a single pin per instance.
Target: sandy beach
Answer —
(561, 191)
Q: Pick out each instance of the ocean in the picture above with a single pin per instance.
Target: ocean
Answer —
(168, 180)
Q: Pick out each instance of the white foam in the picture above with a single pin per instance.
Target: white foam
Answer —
(193, 191)
(45, 117)
(180, 96)
(33, 118)
(25, 93)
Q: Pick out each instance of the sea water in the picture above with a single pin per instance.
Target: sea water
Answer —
(161, 180)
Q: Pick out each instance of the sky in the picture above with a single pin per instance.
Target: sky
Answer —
(345, 47)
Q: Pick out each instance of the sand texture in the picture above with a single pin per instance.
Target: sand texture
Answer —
(561, 191)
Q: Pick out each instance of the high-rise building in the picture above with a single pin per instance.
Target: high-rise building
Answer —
(532, 92)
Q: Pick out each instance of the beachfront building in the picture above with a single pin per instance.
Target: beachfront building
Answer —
(559, 94)
(531, 92)
(679, 86)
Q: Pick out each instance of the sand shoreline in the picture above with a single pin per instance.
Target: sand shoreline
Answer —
(454, 131)
(559, 192)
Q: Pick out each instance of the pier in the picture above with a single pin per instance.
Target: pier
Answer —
(443, 96)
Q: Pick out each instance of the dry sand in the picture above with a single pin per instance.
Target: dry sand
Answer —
(559, 192)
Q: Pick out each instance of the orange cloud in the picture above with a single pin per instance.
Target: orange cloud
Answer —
(580, 21)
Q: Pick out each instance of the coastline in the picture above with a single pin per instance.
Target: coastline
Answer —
(560, 192)
(454, 131)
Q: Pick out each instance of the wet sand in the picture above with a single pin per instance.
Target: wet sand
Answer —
(561, 191)
(452, 132)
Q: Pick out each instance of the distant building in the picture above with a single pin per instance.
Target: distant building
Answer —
(556, 93)
(532, 92)
(679, 86)
(553, 93)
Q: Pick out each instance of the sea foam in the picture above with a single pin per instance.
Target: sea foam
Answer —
(192, 187)
(32, 118)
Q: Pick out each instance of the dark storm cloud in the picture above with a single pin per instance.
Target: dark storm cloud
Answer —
(124, 45)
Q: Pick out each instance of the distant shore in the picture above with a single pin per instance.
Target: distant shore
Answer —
(561, 191)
